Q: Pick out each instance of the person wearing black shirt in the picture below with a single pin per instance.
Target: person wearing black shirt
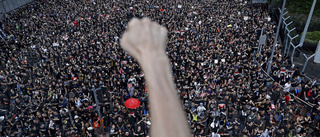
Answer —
(280, 133)
(78, 123)
(43, 130)
(139, 132)
(128, 128)
(35, 131)
(198, 131)
(244, 98)
(114, 131)
(120, 123)
(127, 134)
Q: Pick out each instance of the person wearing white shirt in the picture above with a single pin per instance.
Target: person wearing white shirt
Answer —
(201, 108)
(287, 87)
(132, 79)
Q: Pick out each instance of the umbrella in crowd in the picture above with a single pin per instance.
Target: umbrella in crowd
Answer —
(132, 103)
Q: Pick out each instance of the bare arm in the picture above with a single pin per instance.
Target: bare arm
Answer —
(146, 40)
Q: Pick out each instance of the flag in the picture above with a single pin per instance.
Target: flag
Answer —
(211, 85)
(74, 78)
(66, 37)
(194, 47)
(260, 21)
(202, 95)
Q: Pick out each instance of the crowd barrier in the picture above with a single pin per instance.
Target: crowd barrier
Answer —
(278, 84)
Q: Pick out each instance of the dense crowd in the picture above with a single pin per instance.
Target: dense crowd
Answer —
(58, 50)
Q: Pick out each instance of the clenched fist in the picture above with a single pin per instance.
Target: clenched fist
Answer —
(144, 38)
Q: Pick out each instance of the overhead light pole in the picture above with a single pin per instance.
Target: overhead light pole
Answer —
(307, 24)
(276, 38)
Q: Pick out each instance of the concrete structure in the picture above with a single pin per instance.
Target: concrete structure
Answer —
(10, 5)
(317, 54)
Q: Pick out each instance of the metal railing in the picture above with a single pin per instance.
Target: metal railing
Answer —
(289, 47)
(278, 84)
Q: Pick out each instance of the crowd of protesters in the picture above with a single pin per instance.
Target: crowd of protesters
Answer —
(56, 51)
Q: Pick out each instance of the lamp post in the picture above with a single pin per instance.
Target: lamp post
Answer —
(259, 46)
(98, 107)
(307, 24)
(305, 30)
(276, 38)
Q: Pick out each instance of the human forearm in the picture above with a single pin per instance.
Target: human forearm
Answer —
(163, 98)
(145, 40)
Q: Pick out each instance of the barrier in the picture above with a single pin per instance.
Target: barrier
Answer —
(278, 84)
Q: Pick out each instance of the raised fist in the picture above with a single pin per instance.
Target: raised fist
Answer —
(144, 39)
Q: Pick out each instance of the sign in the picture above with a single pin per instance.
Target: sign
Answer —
(245, 18)
(262, 40)
(317, 56)
(65, 37)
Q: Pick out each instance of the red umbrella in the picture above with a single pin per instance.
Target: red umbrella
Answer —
(75, 23)
(132, 103)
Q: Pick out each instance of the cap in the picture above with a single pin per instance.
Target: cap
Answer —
(75, 117)
(201, 103)
(90, 107)
(186, 101)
